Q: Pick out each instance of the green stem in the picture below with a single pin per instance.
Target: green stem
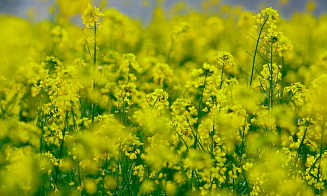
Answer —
(181, 137)
(61, 149)
(302, 142)
(321, 142)
(271, 92)
(2, 111)
(221, 78)
(94, 67)
(199, 110)
(192, 179)
(201, 97)
(314, 163)
(212, 140)
(123, 114)
(11, 104)
(194, 134)
(42, 146)
(169, 52)
(256, 50)
(154, 104)
(282, 77)
(75, 141)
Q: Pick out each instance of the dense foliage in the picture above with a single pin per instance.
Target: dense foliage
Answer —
(220, 102)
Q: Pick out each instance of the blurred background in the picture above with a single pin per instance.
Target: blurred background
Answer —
(143, 9)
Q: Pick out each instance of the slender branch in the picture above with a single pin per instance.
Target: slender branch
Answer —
(61, 149)
(290, 97)
(221, 78)
(302, 142)
(94, 67)
(199, 109)
(256, 49)
(247, 52)
(322, 141)
(271, 89)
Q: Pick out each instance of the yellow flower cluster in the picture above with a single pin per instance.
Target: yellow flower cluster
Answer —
(267, 16)
(91, 16)
(178, 107)
(276, 74)
(158, 100)
(162, 73)
(225, 60)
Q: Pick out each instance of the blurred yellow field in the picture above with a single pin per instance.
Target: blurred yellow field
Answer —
(197, 103)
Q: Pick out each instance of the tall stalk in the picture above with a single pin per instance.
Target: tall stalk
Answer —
(301, 144)
(61, 149)
(322, 141)
(271, 89)
(94, 67)
(221, 78)
(199, 110)
(256, 50)
(2, 111)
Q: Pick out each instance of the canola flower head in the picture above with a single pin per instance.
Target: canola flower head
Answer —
(268, 16)
(225, 60)
(91, 16)
(277, 75)
(272, 14)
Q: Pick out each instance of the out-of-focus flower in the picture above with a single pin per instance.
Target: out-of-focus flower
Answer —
(91, 16)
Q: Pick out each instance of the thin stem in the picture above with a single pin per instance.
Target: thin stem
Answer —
(302, 142)
(314, 163)
(123, 113)
(256, 49)
(212, 140)
(169, 52)
(94, 67)
(247, 51)
(61, 149)
(221, 78)
(290, 97)
(199, 110)
(2, 110)
(201, 97)
(154, 104)
(181, 137)
(195, 136)
(11, 104)
(322, 141)
(127, 175)
(95, 46)
(54, 47)
(282, 77)
(271, 76)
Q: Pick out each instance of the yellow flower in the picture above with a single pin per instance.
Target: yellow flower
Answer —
(91, 16)
(225, 60)
(90, 185)
(146, 187)
(133, 156)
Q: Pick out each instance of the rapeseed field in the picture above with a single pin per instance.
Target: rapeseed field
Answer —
(219, 102)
